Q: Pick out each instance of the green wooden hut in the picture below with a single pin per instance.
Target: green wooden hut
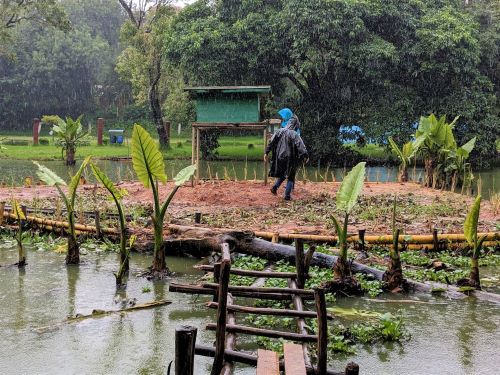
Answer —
(229, 104)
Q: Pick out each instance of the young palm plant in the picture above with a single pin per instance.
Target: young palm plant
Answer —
(52, 179)
(347, 197)
(117, 196)
(147, 161)
(19, 215)
(470, 232)
(393, 277)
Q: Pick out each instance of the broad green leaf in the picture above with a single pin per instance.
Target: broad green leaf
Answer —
(17, 211)
(350, 188)
(75, 180)
(184, 175)
(147, 160)
(108, 184)
(470, 224)
(469, 146)
(396, 149)
(47, 176)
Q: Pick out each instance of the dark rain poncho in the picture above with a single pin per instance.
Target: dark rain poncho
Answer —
(287, 149)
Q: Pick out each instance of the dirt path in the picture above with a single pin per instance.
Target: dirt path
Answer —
(250, 205)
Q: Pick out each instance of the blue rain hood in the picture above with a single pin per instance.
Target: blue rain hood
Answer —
(286, 114)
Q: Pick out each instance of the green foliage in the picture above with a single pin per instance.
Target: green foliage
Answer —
(147, 158)
(372, 287)
(69, 134)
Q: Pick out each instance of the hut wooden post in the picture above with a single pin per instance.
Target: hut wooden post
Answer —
(319, 297)
(193, 150)
(265, 162)
(220, 334)
(197, 155)
(299, 263)
(2, 208)
(185, 341)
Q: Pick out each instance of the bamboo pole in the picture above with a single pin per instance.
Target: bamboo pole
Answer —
(381, 239)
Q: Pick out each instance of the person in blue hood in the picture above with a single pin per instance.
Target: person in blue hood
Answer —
(288, 151)
(288, 116)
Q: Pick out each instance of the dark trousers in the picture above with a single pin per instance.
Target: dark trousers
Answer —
(289, 184)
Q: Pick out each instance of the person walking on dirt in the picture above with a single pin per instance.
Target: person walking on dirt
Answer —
(288, 150)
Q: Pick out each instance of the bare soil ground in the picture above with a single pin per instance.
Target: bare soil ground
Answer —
(250, 205)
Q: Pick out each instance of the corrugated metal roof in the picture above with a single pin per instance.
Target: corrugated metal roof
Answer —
(229, 89)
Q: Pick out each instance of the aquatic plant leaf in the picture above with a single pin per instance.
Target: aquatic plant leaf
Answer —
(470, 224)
(108, 184)
(350, 188)
(147, 159)
(184, 175)
(48, 176)
(17, 211)
(75, 180)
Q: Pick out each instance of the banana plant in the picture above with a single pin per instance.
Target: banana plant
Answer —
(404, 154)
(470, 233)
(147, 161)
(52, 179)
(346, 199)
(69, 134)
(19, 215)
(117, 196)
(393, 277)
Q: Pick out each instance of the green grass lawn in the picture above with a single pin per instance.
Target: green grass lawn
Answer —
(230, 147)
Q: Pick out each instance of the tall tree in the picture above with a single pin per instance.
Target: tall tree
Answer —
(141, 33)
(376, 64)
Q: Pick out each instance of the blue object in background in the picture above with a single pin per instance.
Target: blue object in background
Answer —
(116, 136)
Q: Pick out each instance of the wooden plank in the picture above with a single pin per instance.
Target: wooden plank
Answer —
(265, 332)
(294, 359)
(301, 324)
(250, 289)
(240, 272)
(267, 362)
(269, 311)
(196, 289)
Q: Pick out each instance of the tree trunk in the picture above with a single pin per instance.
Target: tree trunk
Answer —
(154, 101)
(429, 172)
(474, 274)
(393, 277)
(73, 255)
(70, 156)
(403, 175)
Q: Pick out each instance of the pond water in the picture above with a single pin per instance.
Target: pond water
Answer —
(13, 172)
(448, 336)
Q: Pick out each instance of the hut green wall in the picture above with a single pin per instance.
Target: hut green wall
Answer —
(228, 108)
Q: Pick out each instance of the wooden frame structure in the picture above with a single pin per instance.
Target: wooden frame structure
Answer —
(198, 127)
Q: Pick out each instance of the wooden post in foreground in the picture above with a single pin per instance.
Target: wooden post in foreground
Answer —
(2, 208)
(185, 340)
(100, 130)
(352, 369)
(36, 130)
(299, 263)
(361, 235)
(97, 216)
(220, 334)
(319, 297)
